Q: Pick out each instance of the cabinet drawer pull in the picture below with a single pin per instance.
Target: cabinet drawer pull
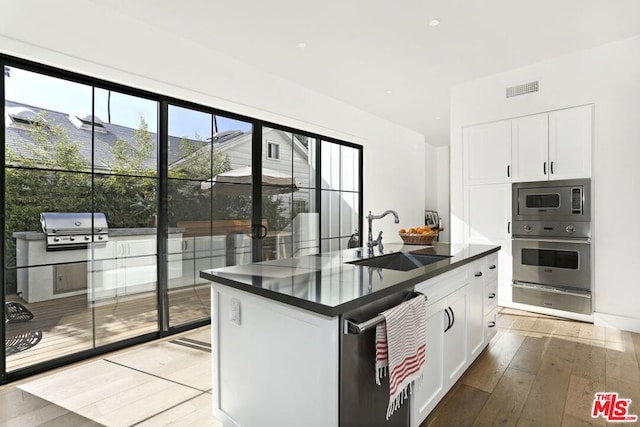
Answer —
(478, 274)
(492, 295)
(492, 324)
(492, 267)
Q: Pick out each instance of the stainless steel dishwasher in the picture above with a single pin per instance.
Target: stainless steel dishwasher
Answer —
(362, 401)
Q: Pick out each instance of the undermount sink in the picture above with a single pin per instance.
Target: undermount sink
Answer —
(401, 261)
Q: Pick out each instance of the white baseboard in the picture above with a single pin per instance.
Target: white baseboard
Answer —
(618, 322)
(550, 312)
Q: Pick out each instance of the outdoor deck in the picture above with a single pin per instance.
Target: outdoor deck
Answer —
(68, 325)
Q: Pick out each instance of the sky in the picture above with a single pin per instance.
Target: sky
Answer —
(74, 98)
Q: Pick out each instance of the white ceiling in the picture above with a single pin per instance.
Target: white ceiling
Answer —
(359, 50)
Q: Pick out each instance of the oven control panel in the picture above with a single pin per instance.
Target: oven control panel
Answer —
(560, 229)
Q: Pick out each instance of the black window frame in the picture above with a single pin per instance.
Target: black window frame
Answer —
(162, 203)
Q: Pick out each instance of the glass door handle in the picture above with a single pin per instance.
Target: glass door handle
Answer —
(260, 231)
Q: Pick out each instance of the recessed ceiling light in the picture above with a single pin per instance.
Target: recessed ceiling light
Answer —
(437, 117)
(388, 91)
(302, 45)
(434, 22)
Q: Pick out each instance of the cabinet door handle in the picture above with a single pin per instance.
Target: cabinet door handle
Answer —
(478, 274)
(492, 295)
(492, 324)
(508, 171)
(551, 167)
(492, 267)
(453, 317)
(509, 227)
(544, 167)
(446, 311)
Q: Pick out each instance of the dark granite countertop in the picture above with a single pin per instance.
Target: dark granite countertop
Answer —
(327, 284)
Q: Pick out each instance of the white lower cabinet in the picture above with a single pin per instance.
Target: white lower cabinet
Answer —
(476, 310)
(458, 328)
(429, 393)
(455, 335)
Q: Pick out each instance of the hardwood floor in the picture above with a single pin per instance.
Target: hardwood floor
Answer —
(536, 371)
(543, 371)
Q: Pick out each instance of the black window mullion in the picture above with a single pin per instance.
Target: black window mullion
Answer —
(319, 190)
(3, 370)
(360, 192)
(162, 212)
(256, 202)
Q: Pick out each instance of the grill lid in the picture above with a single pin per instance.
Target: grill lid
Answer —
(65, 223)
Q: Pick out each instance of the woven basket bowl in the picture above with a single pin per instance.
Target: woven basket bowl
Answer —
(417, 239)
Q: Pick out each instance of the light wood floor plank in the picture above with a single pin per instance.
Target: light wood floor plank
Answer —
(546, 401)
(529, 355)
(461, 409)
(580, 399)
(486, 372)
(505, 403)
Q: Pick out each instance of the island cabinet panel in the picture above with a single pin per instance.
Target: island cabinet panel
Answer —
(273, 364)
(427, 395)
(476, 308)
(456, 328)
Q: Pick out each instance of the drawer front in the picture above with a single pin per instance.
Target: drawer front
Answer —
(490, 325)
(491, 267)
(491, 296)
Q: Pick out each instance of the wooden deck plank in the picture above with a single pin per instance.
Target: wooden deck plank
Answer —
(67, 324)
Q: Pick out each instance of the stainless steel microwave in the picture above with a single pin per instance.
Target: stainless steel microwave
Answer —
(563, 200)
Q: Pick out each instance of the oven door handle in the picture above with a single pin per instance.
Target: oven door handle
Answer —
(551, 290)
(543, 240)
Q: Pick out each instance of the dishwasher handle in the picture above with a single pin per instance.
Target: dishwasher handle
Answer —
(353, 327)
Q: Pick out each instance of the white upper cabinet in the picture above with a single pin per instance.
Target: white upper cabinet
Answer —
(570, 142)
(529, 142)
(487, 153)
(551, 146)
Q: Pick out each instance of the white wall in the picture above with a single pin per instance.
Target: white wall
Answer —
(437, 185)
(114, 47)
(609, 77)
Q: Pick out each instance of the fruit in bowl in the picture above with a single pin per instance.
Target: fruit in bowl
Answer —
(420, 230)
(421, 235)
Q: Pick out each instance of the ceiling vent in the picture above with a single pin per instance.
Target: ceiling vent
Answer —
(522, 89)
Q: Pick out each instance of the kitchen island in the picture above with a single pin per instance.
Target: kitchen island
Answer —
(288, 344)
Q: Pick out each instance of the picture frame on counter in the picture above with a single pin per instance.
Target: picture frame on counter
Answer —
(431, 219)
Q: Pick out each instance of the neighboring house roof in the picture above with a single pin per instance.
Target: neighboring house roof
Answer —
(18, 118)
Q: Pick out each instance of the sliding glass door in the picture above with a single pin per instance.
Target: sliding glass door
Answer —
(209, 205)
(153, 190)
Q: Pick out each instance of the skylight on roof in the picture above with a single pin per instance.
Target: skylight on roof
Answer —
(88, 122)
(25, 116)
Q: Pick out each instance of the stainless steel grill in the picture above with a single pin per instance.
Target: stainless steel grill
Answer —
(73, 230)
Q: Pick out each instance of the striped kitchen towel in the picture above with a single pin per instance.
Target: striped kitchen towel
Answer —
(400, 348)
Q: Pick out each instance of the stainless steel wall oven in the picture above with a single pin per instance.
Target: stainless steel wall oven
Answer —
(552, 244)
